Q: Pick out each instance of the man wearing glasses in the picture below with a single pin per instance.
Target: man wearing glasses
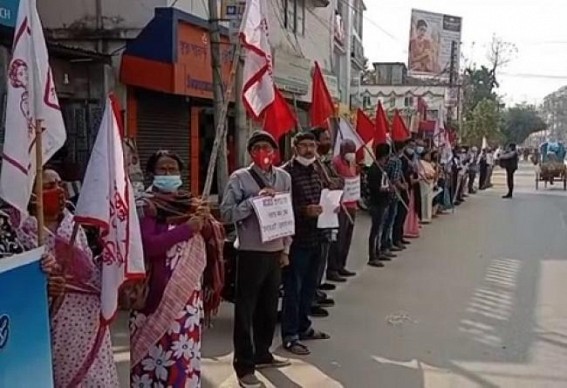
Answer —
(301, 276)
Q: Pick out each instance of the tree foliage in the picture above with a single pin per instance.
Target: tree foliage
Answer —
(521, 121)
(483, 121)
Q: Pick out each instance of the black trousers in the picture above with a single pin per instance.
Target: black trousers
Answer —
(482, 180)
(472, 178)
(340, 249)
(401, 215)
(374, 239)
(258, 280)
(510, 180)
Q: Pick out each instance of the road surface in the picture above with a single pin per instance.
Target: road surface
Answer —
(478, 301)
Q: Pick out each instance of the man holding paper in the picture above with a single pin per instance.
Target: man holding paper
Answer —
(345, 165)
(259, 261)
(301, 277)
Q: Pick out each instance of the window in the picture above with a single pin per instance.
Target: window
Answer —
(366, 102)
(408, 102)
(294, 16)
(392, 102)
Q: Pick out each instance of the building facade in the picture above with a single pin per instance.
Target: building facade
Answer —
(159, 64)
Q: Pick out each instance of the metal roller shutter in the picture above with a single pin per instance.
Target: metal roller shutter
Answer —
(163, 124)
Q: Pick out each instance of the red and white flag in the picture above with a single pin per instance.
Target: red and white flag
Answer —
(31, 97)
(258, 90)
(107, 201)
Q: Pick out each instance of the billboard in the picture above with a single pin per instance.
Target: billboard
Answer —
(25, 342)
(431, 37)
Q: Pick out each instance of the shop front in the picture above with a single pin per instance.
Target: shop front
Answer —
(167, 71)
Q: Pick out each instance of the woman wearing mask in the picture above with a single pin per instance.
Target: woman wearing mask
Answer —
(427, 185)
(82, 351)
(165, 330)
(411, 225)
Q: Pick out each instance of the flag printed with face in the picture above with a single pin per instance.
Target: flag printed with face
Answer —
(31, 97)
(107, 201)
(347, 132)
(258, 90)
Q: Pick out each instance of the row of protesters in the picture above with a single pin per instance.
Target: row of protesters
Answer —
(181, 242)
(299, 260)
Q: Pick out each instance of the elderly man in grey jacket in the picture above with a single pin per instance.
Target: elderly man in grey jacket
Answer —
(259, 263)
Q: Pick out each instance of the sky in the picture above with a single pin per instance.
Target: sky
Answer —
(538, 28)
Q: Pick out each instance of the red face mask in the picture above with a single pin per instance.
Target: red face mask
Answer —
(263, 158)
(53, 202)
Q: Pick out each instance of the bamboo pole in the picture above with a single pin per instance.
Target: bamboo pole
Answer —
(220, 133)
(39, 181)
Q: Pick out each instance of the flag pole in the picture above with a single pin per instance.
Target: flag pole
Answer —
(221, 125)
(39, 181)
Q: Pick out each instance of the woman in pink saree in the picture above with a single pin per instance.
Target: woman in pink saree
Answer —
(82, 351)
(165, 330)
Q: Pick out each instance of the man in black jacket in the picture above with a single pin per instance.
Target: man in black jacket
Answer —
(509, 162)
(379, 190)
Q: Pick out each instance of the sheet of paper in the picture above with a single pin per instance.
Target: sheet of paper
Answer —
(330, 201)
(352, 189)
(275, 216)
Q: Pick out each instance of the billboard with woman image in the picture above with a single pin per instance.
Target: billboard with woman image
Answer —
(431, 37)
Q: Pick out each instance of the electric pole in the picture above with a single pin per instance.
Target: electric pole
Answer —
(452, 66)
(218, 95)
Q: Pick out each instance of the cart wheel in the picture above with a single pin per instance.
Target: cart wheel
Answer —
(564, 182)
(537, 181)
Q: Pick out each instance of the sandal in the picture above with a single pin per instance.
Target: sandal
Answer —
(297, 348)
(313, 335)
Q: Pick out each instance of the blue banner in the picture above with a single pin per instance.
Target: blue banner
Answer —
(25, 343)
(9, 12)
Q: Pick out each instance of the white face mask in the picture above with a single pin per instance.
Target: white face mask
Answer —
(305, 161)
(350, 157)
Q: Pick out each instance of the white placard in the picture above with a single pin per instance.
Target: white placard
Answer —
(275, 215)
(352, 189)
(330, 201)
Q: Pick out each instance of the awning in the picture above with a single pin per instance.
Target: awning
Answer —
(172, 55)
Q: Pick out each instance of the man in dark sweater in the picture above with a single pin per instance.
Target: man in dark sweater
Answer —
(301, 277)
(509, 162)
(379, 190)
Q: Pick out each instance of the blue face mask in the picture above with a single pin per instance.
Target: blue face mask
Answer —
(420, 150)
(167, 183)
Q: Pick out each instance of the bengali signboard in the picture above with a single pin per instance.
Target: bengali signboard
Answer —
(275, 215)
(431, 38)
(25, 344)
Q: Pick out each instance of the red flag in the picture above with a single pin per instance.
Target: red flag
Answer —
(322, 106)
(364, 126)
(400, 131)
(381, 130)
(279, 118)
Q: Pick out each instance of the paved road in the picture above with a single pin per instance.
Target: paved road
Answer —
(476, 302)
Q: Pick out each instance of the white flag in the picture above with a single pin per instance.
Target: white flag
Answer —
(347, 132)
(258, 90)
(107, 201)
(484, 143)
(31, 97)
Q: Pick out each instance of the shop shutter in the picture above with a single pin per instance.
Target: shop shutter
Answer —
(163, 124)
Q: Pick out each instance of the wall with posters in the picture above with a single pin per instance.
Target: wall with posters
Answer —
(431, 37)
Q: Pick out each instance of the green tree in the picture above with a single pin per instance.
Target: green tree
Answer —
(483, 121)
(521, 121)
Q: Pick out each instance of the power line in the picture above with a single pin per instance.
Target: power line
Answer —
(536, 76)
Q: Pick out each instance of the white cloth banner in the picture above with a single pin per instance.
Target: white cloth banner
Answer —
(31, 97)
(258, 91)
(275, 215)
(107, 201)
(330, 202)
(351, 189)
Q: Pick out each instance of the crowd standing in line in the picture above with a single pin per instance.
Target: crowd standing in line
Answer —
(408, 186)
